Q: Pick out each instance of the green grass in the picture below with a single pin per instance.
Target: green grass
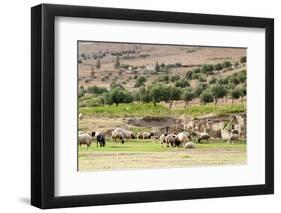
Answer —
(140, 110)
(136, 145)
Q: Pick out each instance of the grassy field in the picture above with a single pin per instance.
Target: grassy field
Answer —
(150, 154)
(139, 110)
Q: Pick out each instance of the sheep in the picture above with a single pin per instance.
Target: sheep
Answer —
(130, 135)
(86, 139)
(189, 145)
(162, 138)
(182, 137)
(147, 135)
(203, 136)
(234, 135)
(80, 116)
(187, 134)
(101, 140)
(118, 135)
(139, 135)
(170, 139)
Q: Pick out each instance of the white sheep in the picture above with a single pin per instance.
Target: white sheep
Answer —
(85, 139)
(183, 137)
(170, 139)
(130, 135)
(189, 145)
(116, 134)
(147, 135)
(162, 138)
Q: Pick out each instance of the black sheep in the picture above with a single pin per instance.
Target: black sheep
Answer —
(100, 140)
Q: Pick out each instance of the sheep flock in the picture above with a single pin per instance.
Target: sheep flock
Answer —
(121, 135)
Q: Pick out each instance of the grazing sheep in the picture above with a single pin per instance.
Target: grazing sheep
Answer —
(162, 138)
(187, 134)
(80, 116)
(189, 145)
(118, 135)
(147, 135)
(203, 136)
(101, 140)
(178, 142)
(139, 135)
(182, 138)
(234, 136)
(86, 139)
(170, 139)
(130, 135)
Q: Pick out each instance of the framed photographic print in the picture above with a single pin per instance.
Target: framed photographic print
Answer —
(140, 106)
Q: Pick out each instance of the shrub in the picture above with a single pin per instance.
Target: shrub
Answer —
(140, 81)
(164, 78)
(213, 80)
(182, 83)
(243, 59)
(202, 79)
(175, 78)
(226, 64)
(218, 67)
(96, 90)
(207, 69)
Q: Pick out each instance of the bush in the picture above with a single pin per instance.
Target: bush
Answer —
(196, 76)
(213, 80)
(164, 78)
(242, 76)
(243, 59)
(140, 81)
(182, 83)
(202, 79)
(175, 78)
(96, 90)
(226, 64)
(218, 67)
(207, 69)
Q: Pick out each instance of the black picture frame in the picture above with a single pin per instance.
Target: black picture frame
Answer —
(43, 102)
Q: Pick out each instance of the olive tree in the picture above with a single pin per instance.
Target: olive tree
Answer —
(187, 96)
(218, 91)
(206, 97)
(235, 94)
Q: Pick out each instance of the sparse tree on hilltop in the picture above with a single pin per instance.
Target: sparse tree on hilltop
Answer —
(98, 64)
(157, 67)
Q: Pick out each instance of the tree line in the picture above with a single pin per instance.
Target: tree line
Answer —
(233, 86)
